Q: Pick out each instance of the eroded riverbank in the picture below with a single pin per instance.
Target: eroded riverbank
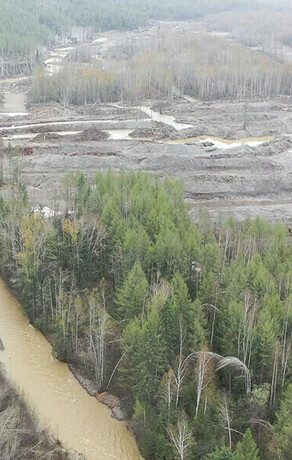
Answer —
(77, 420)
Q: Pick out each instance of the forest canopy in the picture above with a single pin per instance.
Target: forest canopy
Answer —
(191, 325)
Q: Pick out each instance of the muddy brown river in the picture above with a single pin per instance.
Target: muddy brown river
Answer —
(62, 406)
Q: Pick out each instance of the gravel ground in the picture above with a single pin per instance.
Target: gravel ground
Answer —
(241, 181)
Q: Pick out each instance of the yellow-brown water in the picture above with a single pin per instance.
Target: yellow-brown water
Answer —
(59, 402)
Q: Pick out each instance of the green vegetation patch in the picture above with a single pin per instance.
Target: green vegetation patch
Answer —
(190, 325)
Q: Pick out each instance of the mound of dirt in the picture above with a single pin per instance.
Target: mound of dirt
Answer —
(152, 133)
(91, 134)
(277, 146)
(44, 137)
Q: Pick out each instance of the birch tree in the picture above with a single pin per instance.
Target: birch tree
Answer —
(181, 437)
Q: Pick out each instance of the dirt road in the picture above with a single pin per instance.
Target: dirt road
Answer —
(14, 104)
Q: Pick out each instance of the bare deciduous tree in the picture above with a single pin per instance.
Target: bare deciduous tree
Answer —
(204, 376)
(179, 375)
(181, 437)
(224, 412)
(167, 389)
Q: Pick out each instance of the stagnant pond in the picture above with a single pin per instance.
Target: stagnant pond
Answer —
(79, 421)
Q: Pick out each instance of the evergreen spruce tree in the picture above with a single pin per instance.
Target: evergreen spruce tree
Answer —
(247, 448)
(283, 427)
(220, 453)
(132, 297)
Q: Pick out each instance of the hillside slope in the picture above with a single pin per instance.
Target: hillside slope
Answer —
(24, 26)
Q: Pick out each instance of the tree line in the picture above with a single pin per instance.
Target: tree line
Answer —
(190, 325)
(26, 27)
(202, 66)
(265, 29)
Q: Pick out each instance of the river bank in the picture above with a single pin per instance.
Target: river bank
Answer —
(111, 401)
(20, 435)
(80, 422)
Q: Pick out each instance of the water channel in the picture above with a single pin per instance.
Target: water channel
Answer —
(79, 421)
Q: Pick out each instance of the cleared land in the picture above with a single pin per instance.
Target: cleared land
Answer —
(234, 156)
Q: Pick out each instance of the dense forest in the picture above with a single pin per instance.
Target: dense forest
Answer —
(191, 325)
(27, 28)
(24, 26)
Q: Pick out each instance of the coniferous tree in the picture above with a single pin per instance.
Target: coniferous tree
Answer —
(283, 427)
(132, 297)
(247, 448)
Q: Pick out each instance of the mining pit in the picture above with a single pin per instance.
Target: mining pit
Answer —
(234, 157)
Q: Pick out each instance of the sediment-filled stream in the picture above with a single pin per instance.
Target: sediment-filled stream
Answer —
(61, 405)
